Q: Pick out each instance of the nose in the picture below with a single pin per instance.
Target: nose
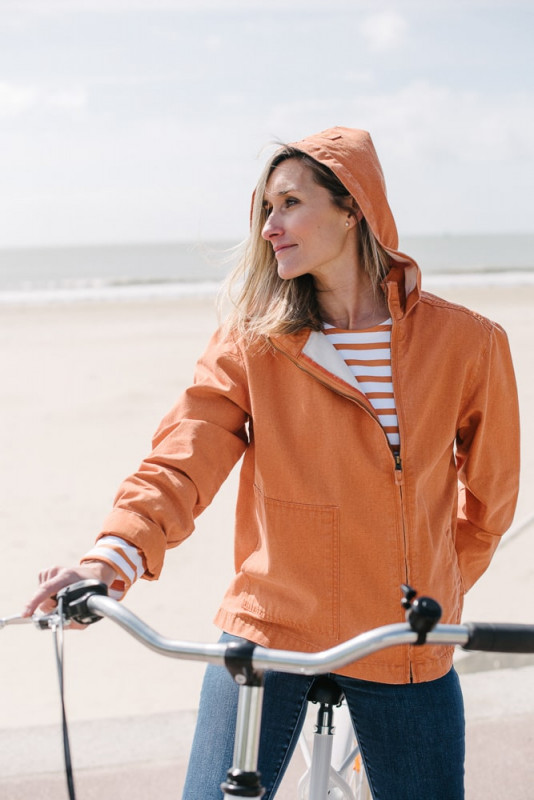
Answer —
(272, 228)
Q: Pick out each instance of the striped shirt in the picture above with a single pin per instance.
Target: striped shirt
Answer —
(367, 353)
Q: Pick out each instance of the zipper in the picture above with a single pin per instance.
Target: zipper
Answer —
(399, 481)
(399, 476)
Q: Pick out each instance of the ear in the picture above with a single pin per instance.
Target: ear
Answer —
(354, 212)
(354, 216)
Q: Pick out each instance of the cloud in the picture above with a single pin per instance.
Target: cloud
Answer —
(384, 31)
(423, 121)
(67, 98)
(53, 7)
(114, 6)
(213, 42)
(432, 122)
(15, 100)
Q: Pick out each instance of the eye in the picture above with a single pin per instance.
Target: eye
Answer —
(291, 201)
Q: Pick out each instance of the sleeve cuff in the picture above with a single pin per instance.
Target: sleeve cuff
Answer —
(122, 557)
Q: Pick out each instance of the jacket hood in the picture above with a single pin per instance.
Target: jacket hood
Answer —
(351, 156)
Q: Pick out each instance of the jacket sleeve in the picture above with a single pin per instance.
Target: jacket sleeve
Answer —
(194, 449)
(487, 458)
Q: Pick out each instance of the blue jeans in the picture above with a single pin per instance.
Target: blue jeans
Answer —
(411, 736)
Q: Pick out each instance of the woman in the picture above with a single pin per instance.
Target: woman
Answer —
(379, 430)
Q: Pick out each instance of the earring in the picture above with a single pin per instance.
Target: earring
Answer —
(347, 224)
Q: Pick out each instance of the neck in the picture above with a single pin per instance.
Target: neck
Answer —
(353, 307)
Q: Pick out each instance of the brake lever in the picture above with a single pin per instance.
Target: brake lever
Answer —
(42, 621)
(14, 619)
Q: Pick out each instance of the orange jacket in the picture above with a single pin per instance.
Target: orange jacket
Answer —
(328, 525)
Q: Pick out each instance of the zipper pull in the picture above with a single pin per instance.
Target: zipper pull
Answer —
(399, 477)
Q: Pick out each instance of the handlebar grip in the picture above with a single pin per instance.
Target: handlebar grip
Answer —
(500, 637)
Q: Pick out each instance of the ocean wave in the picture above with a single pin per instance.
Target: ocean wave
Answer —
(483, 278)
(100, 292)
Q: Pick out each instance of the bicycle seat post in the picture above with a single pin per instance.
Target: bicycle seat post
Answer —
(243, 779)
(327, 694)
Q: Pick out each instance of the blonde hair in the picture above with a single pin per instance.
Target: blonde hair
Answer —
(262, 303)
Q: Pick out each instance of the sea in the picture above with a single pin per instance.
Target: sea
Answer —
(122, 272)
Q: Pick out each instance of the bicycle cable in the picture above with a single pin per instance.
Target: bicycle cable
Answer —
(58, 631)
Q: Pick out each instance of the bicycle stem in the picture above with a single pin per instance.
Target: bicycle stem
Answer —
(248, 724)
(243, 778)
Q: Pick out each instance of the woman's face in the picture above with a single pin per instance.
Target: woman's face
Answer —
(309, 234)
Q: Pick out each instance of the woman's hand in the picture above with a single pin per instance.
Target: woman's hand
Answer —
(56, 578)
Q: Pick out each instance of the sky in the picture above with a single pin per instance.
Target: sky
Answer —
(125, 121)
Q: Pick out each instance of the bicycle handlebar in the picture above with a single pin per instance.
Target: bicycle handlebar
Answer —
(283, 660)
(499, 637)
(486, 636)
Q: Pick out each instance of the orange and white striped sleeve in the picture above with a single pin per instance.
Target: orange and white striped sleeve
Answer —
(123, 557)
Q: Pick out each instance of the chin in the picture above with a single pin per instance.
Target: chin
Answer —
(287, 274)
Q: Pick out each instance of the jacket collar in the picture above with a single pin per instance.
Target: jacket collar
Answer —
(402, 285)
(314, 353)
(312, 349)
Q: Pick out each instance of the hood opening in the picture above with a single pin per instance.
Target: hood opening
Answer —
(351, 155)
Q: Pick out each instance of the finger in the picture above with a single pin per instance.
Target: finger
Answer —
(38, 600)
(49, 573)
(43, 597)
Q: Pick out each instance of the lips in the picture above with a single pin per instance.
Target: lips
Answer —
(281, 248)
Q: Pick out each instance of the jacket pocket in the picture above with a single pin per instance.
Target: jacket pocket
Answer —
(292, 577)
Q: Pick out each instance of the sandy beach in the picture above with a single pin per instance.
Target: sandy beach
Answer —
(83, 388)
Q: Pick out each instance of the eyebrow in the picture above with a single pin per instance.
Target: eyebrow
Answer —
(282, 192)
